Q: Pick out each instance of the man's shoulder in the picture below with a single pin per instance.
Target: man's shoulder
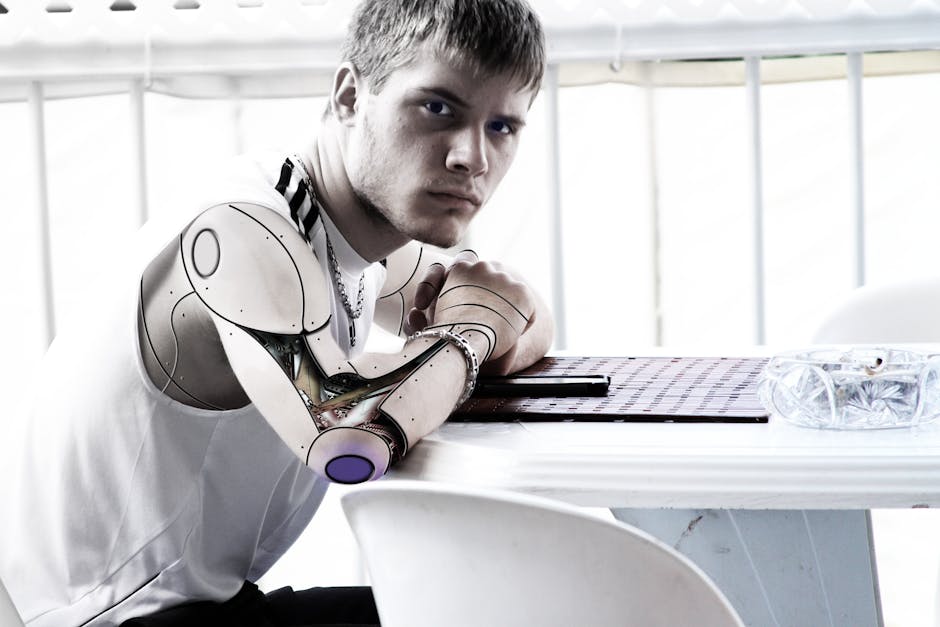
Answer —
(248, 178)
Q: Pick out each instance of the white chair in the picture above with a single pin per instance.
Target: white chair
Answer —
(903, 312)
(8, 614)
(442, 555)
(898, 313)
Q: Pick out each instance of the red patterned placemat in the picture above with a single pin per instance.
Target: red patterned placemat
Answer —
(642, 389)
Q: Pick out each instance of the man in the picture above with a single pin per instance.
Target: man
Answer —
(170, 467)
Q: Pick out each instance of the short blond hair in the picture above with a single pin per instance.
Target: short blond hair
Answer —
(496, 36)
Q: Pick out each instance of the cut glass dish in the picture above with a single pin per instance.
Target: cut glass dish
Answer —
(859, 388)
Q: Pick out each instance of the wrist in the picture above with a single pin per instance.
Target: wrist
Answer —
(481, 339)
(464, 347)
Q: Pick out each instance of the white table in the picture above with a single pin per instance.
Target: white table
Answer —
(776, 514)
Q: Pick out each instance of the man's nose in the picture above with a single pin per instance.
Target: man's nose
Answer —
(467, 153)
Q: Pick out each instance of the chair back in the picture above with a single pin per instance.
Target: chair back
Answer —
(8, 614)
(462, 557)
(901, 312)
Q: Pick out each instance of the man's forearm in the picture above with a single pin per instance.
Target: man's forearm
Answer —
(425, 399)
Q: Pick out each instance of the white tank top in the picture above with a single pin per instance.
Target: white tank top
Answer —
(127, 501)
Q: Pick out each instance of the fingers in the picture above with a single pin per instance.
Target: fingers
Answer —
(432, 282)
(469, 255)
(415, 321)
(429, 289)
(425, 295)
(430, 286)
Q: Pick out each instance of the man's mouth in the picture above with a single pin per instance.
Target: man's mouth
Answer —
(459, 199)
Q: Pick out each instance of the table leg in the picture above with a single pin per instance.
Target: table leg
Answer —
(783, 568)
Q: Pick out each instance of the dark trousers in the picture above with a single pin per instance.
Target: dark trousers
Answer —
(317, 607)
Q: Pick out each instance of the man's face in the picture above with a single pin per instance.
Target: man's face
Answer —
(427, 151)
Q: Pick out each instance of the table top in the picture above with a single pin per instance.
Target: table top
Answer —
(729, 466)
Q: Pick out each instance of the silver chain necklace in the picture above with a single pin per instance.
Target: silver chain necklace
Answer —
(338, 282)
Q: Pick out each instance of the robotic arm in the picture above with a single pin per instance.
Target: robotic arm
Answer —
(237, 309)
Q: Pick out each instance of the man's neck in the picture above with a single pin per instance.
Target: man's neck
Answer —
(372, 238)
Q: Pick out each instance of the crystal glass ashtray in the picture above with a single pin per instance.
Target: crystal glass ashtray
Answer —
(859, 388)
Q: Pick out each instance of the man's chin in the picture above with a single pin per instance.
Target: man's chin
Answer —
(439, 241)
(438, 237)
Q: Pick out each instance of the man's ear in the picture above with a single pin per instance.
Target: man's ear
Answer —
(344, 97)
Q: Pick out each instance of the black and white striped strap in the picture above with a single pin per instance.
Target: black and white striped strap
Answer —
(293, 185)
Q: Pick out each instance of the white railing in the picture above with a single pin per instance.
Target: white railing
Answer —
(38, 131)
(752, 68)
(856, 150)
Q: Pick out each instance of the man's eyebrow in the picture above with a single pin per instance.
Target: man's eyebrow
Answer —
(513, 121)
(446, 94)
(443, 92)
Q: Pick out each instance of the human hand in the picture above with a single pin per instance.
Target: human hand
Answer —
(425, 299)
(485, 304)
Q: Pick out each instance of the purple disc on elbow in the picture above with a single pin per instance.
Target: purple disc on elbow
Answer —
(349, 469)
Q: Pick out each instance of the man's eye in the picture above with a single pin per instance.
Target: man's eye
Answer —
(438, 108)
(498, 126)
